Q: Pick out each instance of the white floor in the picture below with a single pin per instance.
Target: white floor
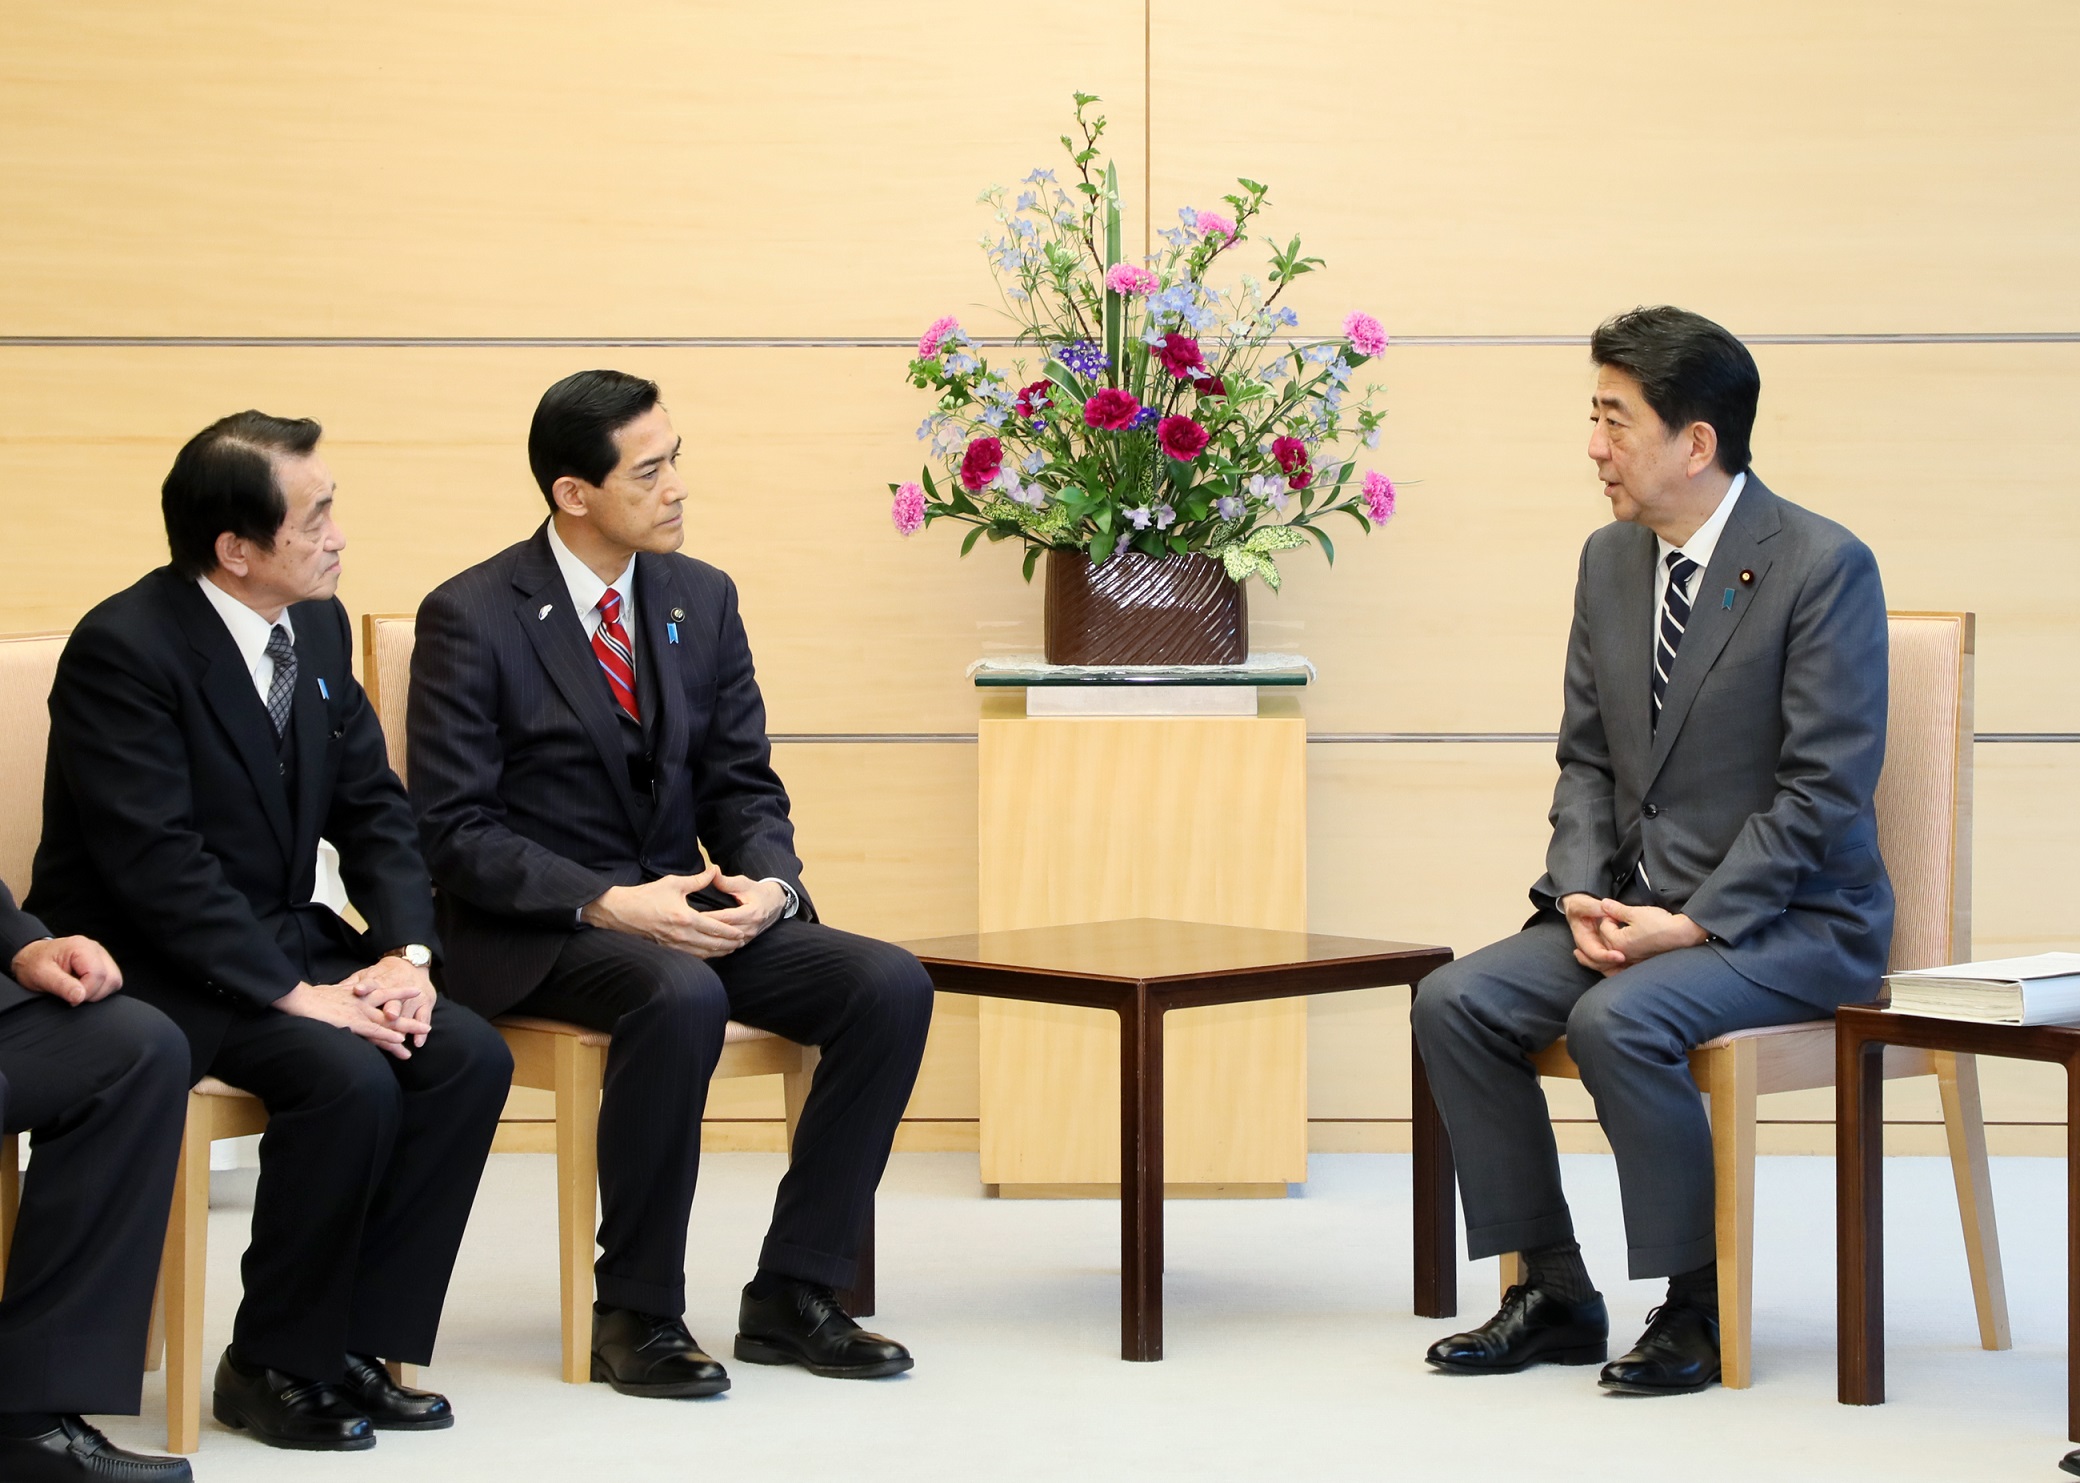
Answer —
(1292, 1352)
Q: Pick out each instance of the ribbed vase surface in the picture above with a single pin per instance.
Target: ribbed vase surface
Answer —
(1144, 610)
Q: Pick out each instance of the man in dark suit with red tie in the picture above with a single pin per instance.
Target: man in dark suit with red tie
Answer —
(584, 722)
(206, 732)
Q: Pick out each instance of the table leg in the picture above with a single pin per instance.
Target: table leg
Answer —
(1141, 1179)
(2072, 1248)
(1859, 1220)
(1436, 1198)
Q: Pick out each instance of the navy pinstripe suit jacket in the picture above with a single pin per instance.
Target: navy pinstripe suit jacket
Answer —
(519, 769)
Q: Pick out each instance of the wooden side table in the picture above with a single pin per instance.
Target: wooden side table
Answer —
(1140, 970)
(1861, 1035)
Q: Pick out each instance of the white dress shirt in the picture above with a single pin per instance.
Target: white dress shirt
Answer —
(1698, 548)
(586, 589)
(249, 631)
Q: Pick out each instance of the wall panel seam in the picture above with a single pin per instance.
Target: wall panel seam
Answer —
(1345, 738)
(890, 342)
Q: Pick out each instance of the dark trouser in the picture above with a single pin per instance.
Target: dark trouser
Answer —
(866, 1004)
(367, 1170)
(1478, 1019)
(103, 1088)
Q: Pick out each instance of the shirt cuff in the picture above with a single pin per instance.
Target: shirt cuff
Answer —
(794, 902)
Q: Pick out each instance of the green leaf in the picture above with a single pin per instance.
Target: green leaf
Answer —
(969, 544)
(1100, 547)
(929, 487)
(1328, 546)
(1032, 559)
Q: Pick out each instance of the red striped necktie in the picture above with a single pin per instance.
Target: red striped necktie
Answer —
(610, 643)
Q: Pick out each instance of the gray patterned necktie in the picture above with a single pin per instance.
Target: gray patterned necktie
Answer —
(1675, 617)
(281, 693)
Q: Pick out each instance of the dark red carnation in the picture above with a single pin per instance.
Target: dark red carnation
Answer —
(1032, 400)
(980, 463)
(1209, 386)
(1181, 354)
(1111, 409)
(1301, 480)
(1181, 438)
(1291, 454)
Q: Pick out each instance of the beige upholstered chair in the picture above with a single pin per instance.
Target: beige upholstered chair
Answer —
(1925, 836)
(568, 1059)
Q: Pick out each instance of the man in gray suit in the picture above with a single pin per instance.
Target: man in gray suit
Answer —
(1714, 859)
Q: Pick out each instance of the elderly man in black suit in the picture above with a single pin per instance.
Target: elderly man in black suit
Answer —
(100, 1079)
(206, 732)
(584, 720)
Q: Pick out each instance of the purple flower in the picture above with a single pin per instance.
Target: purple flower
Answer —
(1145, 418)
(1230, 508)
(1084, 358)
(1165, 517)
(908, 511)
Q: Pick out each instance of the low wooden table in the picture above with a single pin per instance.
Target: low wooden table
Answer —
(1142, 969)
(1861, 1035)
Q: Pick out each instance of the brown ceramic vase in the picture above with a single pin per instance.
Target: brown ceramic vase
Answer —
(1144, 610)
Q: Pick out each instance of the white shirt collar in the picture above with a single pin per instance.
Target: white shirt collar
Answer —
(586, 588)
(249, 631)
(1700, 546)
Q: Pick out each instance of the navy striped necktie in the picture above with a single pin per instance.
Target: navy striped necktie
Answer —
(1675, 618)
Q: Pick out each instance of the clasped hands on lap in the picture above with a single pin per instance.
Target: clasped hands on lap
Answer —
(1610, 936)
(658, 910)
(389, 1003)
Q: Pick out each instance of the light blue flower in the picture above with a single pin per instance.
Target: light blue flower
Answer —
(996, 417)
(1272, 373)
(1038, 177)
(1034, 462)
(1372, 437)
(1286, 316)
(1230, 507)
(1026, 201)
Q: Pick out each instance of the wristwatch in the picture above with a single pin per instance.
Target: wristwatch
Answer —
(418, 954)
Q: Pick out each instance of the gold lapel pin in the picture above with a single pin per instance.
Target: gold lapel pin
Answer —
(1747, 579)
(678, 615)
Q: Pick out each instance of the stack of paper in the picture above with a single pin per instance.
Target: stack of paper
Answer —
(2039, 990)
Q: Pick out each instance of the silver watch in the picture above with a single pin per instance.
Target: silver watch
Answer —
(418, 954)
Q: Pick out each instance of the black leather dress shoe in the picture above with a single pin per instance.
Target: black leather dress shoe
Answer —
(1678, 1353)
(288, 1411)
(800, 1323)
(650, 1355)
(2070, 1463)
(73, 1452)
(391, 1407)
(1531, 1328)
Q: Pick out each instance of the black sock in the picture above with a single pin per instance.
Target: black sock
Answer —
(26, 1424)
(1697, 1289)
(1559, 1270)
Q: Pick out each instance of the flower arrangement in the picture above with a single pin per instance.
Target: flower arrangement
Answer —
(1167, 417)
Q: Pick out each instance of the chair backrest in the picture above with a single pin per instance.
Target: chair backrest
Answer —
(28, 664)
(386, 665)
(1925, 791)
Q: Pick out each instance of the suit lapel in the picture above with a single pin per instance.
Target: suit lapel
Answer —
(227, 688)
(658, 599)
(545, 615)
(1741, 548)
(310, 728)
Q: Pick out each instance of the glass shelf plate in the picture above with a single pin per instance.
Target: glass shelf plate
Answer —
(1024, 671)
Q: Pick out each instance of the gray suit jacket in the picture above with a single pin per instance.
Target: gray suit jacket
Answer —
(1752, 804)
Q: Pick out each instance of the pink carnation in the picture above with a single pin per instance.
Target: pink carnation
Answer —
(929, 342)
(1111, 409)
(1379, 497)
(1367, 336)
(1213, 225)
(908, 512)
(1125, 278)
(1181, 438)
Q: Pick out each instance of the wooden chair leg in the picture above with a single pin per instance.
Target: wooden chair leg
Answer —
(10, 1195)
(795, 1090)
(181, 1279)
(1509, 1268)
(1957, 1078)
(402, 1373)
(580, 1073)
(1732, 1091)
(155, 1332)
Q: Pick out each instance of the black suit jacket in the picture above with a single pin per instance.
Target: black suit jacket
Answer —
(17, 930)
(519, 765)
(169, 832)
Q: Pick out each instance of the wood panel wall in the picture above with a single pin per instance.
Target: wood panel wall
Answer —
(406, 220)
